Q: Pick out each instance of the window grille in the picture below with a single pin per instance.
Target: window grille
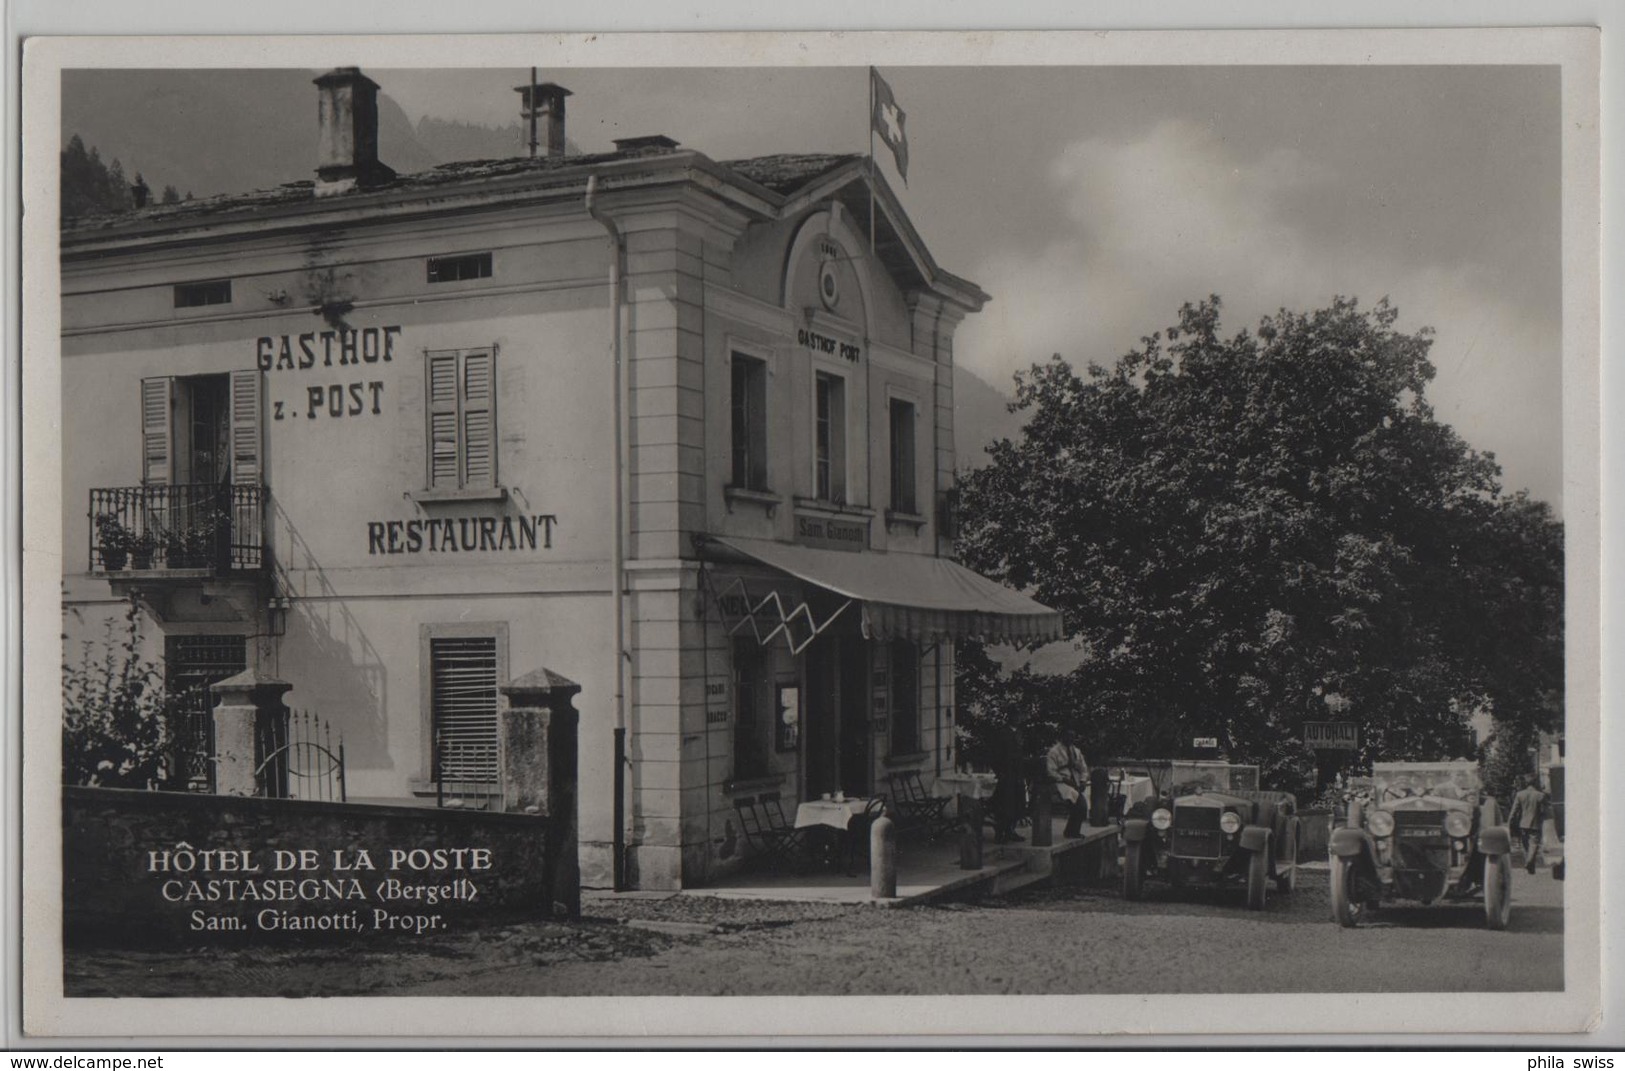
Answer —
(191, 665)
(456, 269)
(192, 295)
(463, 685)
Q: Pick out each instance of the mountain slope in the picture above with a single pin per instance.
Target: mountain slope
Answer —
(182, 127)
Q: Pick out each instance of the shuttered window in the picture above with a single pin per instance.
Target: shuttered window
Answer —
(246, 464)
(463, 689)
(156, 436)
(461, 392)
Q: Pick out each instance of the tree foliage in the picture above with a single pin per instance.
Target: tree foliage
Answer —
(90, 187)
(114, 724)
(1246, 533)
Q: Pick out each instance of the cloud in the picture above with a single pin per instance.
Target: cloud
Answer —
(1142, 226)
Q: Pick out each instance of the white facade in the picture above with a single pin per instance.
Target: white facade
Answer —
(412, 503)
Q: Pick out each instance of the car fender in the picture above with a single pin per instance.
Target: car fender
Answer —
(1136, 830)
(1348, 842)
(1497, 840)
(1255, 838)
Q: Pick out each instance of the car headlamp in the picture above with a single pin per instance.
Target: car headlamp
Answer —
(1162, 818)
(1230, 822)
(1458, 823)
(1381, 823)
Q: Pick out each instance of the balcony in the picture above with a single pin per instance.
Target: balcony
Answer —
(178, 531)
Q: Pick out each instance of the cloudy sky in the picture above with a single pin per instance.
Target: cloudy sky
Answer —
(1092, 202)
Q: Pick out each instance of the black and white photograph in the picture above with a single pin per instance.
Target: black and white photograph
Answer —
(823, 518)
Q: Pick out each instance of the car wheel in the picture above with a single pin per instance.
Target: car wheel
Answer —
(1346, 910)
(1497, 891)
(1286, 867)
(1133, 870)
(1258, 879)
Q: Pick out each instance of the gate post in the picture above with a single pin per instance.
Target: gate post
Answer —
(248, 723)
(538, 749)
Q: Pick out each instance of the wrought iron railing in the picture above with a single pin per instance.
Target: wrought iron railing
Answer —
(218, 527)
(298, 759)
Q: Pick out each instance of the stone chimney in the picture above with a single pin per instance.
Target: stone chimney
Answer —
(348, 112)
(544, 104)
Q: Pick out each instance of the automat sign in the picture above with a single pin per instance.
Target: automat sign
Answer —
(1331, 735)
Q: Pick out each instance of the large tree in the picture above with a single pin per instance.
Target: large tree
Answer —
(1248, 532)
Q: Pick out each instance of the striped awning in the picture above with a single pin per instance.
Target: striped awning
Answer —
(911, 596)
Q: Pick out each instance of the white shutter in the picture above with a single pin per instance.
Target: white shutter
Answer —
(463, 675)
(156, 424)
(442, 396)
(247, 466)
(479, 419)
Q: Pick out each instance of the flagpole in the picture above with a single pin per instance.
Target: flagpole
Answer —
(871, 161)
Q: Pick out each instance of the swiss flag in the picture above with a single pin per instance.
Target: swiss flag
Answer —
(888, 121)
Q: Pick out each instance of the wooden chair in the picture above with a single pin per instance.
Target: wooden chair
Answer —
(917, 810)
(789, 843)
(773, 842)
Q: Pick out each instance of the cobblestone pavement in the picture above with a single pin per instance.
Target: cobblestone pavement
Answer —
(1042, 940)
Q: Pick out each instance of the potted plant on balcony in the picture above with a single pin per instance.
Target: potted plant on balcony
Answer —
(114, 541)
(141, 550)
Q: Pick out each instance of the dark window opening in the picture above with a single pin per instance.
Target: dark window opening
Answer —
(749, 405)
(905, 698)
(751, 693)
(455, 269)
(903, 499)
(190, 295)
(829, 474)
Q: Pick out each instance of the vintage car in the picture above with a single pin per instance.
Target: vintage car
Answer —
(1427, 832)
(1201, 828)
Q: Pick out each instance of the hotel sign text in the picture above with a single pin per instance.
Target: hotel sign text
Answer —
(820, 343)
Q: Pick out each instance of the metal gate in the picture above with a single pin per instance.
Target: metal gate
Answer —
(191, 665)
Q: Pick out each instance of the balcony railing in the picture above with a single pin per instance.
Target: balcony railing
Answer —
(215, 527)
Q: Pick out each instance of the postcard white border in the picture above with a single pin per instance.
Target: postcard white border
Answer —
(399, 1020)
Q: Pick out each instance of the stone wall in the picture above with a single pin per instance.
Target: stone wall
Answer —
(178, 870)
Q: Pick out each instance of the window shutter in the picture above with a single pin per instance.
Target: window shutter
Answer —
(479, 419)
(442, 396)
(464, 687)
(156, 436)
(247, 466)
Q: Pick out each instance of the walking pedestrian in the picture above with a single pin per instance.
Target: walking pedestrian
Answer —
(1528, 818)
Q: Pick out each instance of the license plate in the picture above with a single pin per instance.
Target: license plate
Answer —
(1420, 833)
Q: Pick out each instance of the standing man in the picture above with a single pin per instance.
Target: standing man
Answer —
(1528, 818)
(1070, 775)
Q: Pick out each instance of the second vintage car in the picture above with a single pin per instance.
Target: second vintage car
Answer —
(1201, 829)
(1427, 832)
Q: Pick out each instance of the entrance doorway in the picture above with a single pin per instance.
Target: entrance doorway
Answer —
(837, 725)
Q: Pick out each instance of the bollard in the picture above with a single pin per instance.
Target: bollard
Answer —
(883, 859)
(1100, 795)
(1043, 835)
(970, 834)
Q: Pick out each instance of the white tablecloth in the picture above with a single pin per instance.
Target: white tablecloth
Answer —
(1135, 789)
(833, 813)
(977, 786)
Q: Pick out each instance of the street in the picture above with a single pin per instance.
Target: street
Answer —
(1040, 940)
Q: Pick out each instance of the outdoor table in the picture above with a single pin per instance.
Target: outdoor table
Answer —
(815, 816)
(1136, 789)
(835, 814)
(977, 786)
